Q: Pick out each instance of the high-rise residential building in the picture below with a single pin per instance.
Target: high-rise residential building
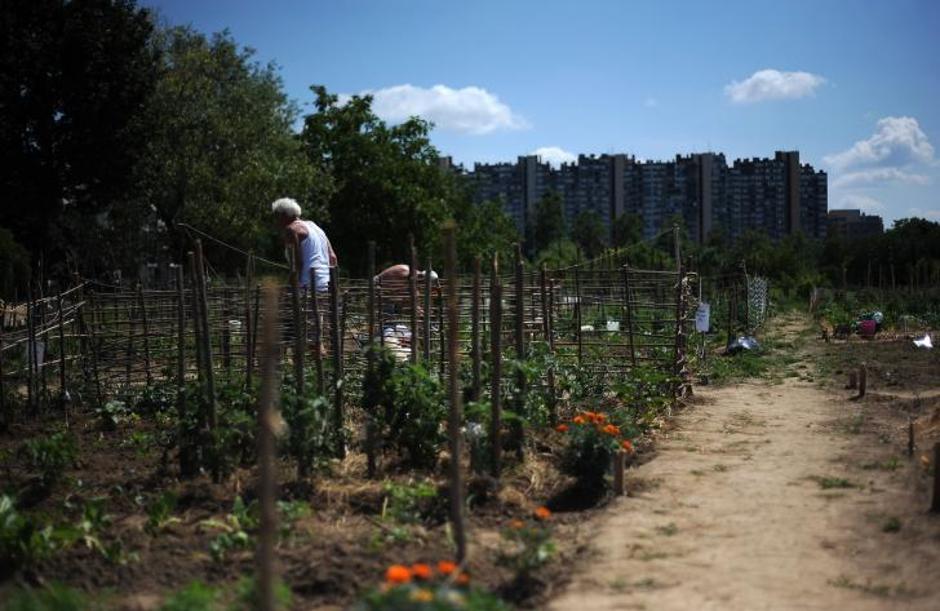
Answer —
(853, 224)
(777, 196)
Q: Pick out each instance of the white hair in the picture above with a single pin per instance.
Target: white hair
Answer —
(286, 206)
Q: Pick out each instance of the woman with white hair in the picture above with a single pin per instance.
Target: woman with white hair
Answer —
(312, 249)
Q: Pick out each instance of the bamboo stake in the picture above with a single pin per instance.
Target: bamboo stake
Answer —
(317, 334)
(577, 313)
(143, 312)
(197, 331)
(426, 339)
(413, 294)
(547, 330)
(519, 323)
(475, 330)
(370, 363)
(207, 354)
(496, 362)
(186, 464)
(456, 484)
(249, 326)
(337, 363)
(267, 416)
(629, 313)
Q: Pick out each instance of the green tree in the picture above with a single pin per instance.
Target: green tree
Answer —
(388, 182)
(627, 229)
(588, 233)
(221, 146)
(73, 77)
(548, 225)
(560, 253)
(484, 230)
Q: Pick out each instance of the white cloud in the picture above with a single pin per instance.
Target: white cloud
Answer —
(897, 141)
(933, 215)
(878, 175)
(470, 110)
(554, 155)
(772, 84)
(864, 203)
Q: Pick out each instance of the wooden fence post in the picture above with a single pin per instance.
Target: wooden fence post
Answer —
(249, 325)
(30, 351)
(862, 381)
(441, 333)
(267, 535)
(628, 311)
(456, 484)
(186, 460)
(577, 314)
(370, 363)
(475, 330)
(413, 294)
(130, 353)
(63, 391)
(142, 305)
(207, 355)
(93, 341)
(520, 349)
(336, 338)
(426, 320)
(547, 330)
(299, 343)
(5, 418)
(496, 367)
(317, 334)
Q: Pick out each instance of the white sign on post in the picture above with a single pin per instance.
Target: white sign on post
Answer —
(702, 315)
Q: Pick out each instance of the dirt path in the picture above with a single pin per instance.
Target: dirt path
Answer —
(762, 496)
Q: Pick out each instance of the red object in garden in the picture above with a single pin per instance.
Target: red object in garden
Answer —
(867, 328)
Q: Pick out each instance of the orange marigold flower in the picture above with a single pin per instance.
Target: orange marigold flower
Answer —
(562, 428)
(578, 420)
(600, 418)
(398, 574)
(446, 567)
(543, 513)
(421, 571)
(463, 579)
(626, 445)
(610, 429)
(517, 524)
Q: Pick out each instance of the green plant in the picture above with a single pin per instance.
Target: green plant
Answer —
(407, 503)
(196, 596)
(53, 597)
(529, 544)
(418, 411)
(88, 530)
(247, 595)
(311, 437)
(646, 392)
(160, 513)
(50, 455)
(112, 414)
(891, 525)
(22, 541)
(234, 529)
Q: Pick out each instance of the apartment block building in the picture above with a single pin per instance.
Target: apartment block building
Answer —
(775, 195)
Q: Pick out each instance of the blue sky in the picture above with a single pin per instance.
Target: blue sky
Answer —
(854, 85)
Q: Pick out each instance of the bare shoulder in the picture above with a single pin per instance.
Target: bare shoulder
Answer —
(299, 229)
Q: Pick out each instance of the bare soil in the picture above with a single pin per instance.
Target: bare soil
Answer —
(786, 495)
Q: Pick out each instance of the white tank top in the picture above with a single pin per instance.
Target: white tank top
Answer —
(315, 253)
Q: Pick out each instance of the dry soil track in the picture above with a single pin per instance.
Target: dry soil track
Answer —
(763, 496)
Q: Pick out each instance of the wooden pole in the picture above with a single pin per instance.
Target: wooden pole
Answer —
(249, 324)
(426, 327)
(186, 462)
(5, 418)
(267, 416)
(317, 334)
(93, 340)
(547, 330)
(935, 505)
(618, 466)
(142, 306)
(197, 331)
(413, 294)
(475, 330)
(63, 391)
(577, 314)
(299, 343)
(337, 363)
(129, 356)
(496, 363)
(441, 333)
(370, 364)
(910, 435)
(207, 355)
(862, 381)
(30, 351)
(628, 310)
(456, 484)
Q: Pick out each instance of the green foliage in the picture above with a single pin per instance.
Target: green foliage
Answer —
(529, 546)
(549, 223)
(247, 595)
(387, 180)
(645, 392)
(408, 503)
(588, 233)
(312, 437)
(483, 230)
(418, 411)
(220, 145)
(22, 541)
(627, 229)
(196, 596)
(53, 597)
(160, 513)
(559, 253)
(234, 529)
(88, 532)
(113, 413)
(50, 455)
